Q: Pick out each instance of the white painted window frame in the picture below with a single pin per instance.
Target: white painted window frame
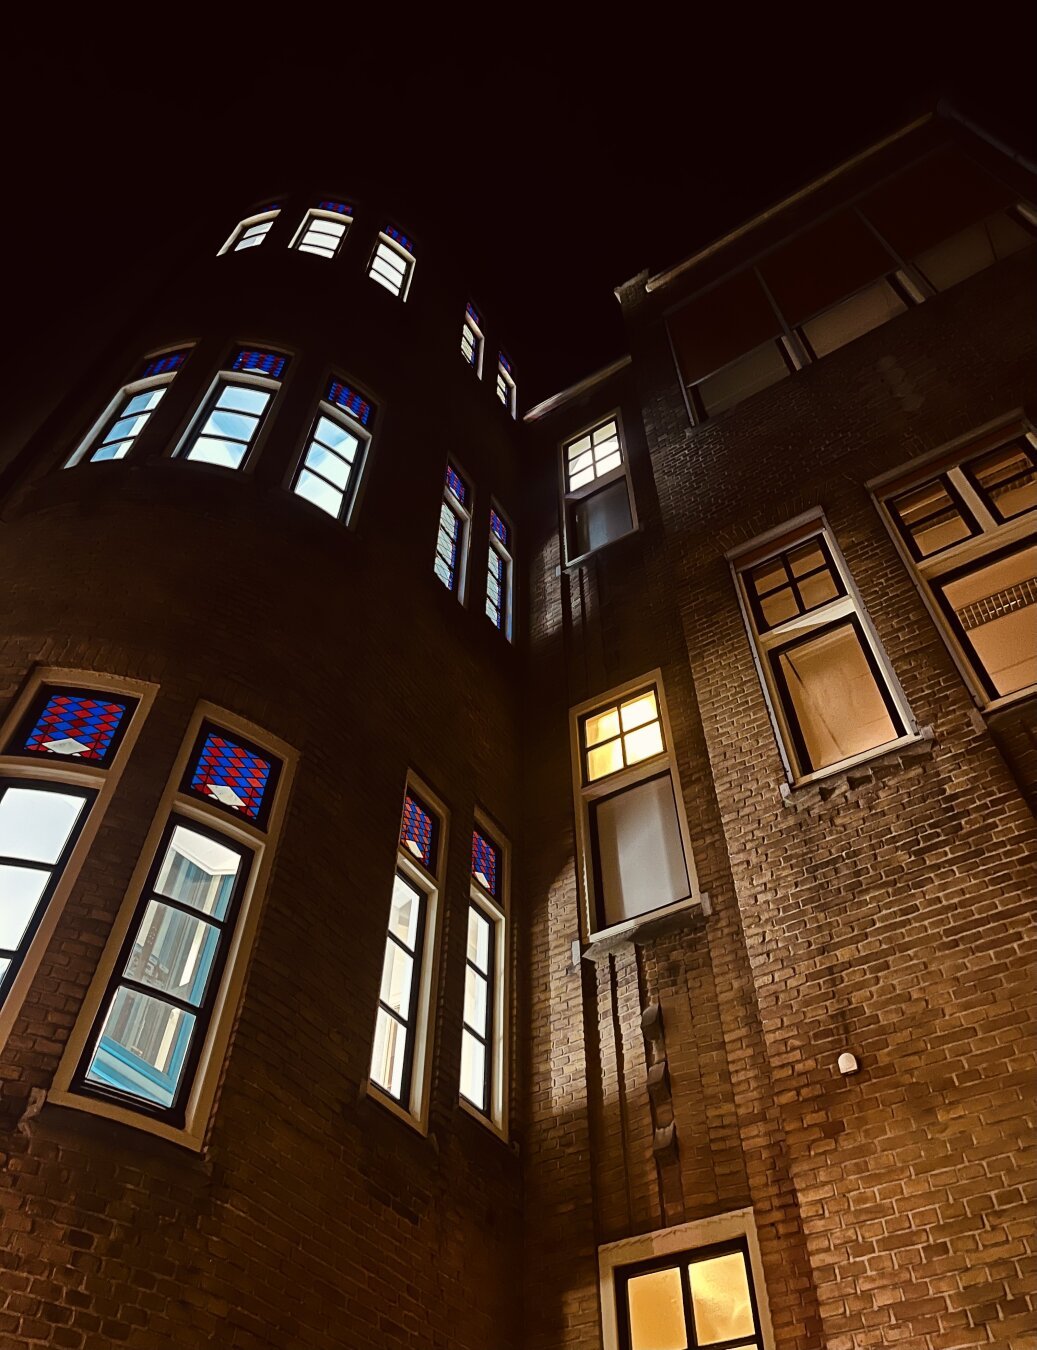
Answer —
(478, 341)
(409, 265)
(249, 380)
(505, 377)
(505, 553)
(571, 498)
(243, 225)
(315, 213)
(351, 501)
(127, 391)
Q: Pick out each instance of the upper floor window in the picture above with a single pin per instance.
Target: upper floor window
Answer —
(227, 427)
(251, 231)
(484, 1033)
(472, 339)
(323, 229)
(333, 461)
(401, 1053)
(507, 391)
(499, 578)
(129, 412)
(701, 1298)
(392, 263)
(598, 498)
(633, 844)
(451, 561)
(966, 524)
(834, 698)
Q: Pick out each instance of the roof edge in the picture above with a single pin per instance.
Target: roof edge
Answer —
(548, 405)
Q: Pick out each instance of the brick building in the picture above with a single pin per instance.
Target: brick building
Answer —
(592, 842)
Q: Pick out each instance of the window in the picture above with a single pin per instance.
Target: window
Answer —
(966, 525)
(499, 574)
(598, 500)
(483, 1034)
(251, 232)
(472, 339)
(226, 429)
(333, 460)
(392, 263)
(451, 561)
(149, 1043)
(834, 699)
(65, 748)
(323, 229)
(115, 435)
(634, 847)
(402, 1046)
(506, 388)
(852, 318)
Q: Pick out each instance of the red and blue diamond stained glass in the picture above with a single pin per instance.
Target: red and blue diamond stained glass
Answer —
(164, 364)
(400, 238)
(349, 400)
(456, 484)
(76, 726)
(227, 773)
(504, 362)
(266, 363)
(339, 207)
(471, 312)
(484, 862)
(498, 527)
(416, 830)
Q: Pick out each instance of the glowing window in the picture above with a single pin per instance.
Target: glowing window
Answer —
(472, 339)
(392, 263)
(130, 411)
(704, 1299)
(483, 1030)
(485, 862)
(75, 724)
(417, 830)
(226, 429)
(507, 391)
(226, 772)
(627, 733)
(252, 231)
(451, 560)
(598, 501)
(324, 228)
(333, 461)
(499, 571)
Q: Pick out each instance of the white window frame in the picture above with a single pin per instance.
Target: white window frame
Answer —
(682, 1240)
(74, 773)
(416, 1112)
(315, 213)
(584, 794)
(81, 454)
(792, 534)
(408, 261)
(478, 342)
(463, 514)
(498, 912)
(239, 229)
(505, 378)
(994, 535)
(571, 498)
(249, 380)
(506, 555)
(351, 498)
(262, 844)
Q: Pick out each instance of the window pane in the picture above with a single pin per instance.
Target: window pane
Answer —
(142, 1047)
(769, 576)
(817, 590)
(329, 464)
(1007, 479)
(473, 1070)
(397, 973)
(643, 743)
(720, 1298)
(20, 891)
(995, 606)
(237, 426)
(779, 606)
(112, 450)
(756, 370)
(126, 428)
(242, 399)
(638, 711)
(478, 939)
(932, 518)
(173, 952)
(229, 454)
(640, 855)
(599, 519)
(853, 318)
(836, 701)
(970, 251)
(656, 1310)
(338, 438)
(390, 1048)
(475, 995)
(144, 402)
(601, 727)
(35, 825)
(405, 912)
(320, 493)
(604, 759)
(198, 871)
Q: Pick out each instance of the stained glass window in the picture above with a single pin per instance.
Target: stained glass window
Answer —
(471, 338)
(417, 830)
(232, 774)
(340, 207)
(456, 484)
(271, 364)
(506, 390)
(349, 400)
(164, 364)
(485, 860)
(399, 237)
(452, 537)
(76, 725)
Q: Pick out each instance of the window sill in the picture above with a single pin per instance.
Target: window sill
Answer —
(92, 1106)
(997, 705)
(484, 1121)
(843, 779)
(376, 1094)
(572, 564)
(656, 923)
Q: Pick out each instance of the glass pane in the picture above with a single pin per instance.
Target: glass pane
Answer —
(397, 974)
(643, 743)
(243, 399)
(932, 518)
(473, 1070)
(247, 241)
(809, 558)
(405, 912)
(837, 703)
(126, 428)
(577, 480)
(768, 577)
(1009, 479)
(779, 606)
(639, 711)
(607, 432)
(318, 249)
(720, 1298)
(238, 426)
(318, 492)
(578, 448)
(656, 1310)
(818, 589)
(996, 605)
(604, 759)
(601, 727)
(173, 952)
(5, 966)
(229, 454)
(478, 938)
(475, 996)
(853, 318)
(145, 401)
(606, 465)
(756, 370)
(444, 572)
(142, 1047)
(20, 891)
(329, 464)
(338, 438)
(113, 450)
(35, 825)
(390, 1048)
(389, 285)
(577, 463)
(198, 871)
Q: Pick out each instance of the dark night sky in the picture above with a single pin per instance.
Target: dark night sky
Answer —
(561, 159)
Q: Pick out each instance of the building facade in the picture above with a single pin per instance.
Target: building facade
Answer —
(557, 881)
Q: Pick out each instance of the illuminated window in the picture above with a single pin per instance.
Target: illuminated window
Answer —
(392, 263)
(323, 229)
(401, 1051)
(507, 391)
(484, 1033)
(333, 462)
(833, 696)
(634, 849)
(252, 231)
(228, 425)
(598, 497)
(472, 339)
(451, 561)
(115, 435)
(967, 525)
(499, 574)
(704, 1298)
